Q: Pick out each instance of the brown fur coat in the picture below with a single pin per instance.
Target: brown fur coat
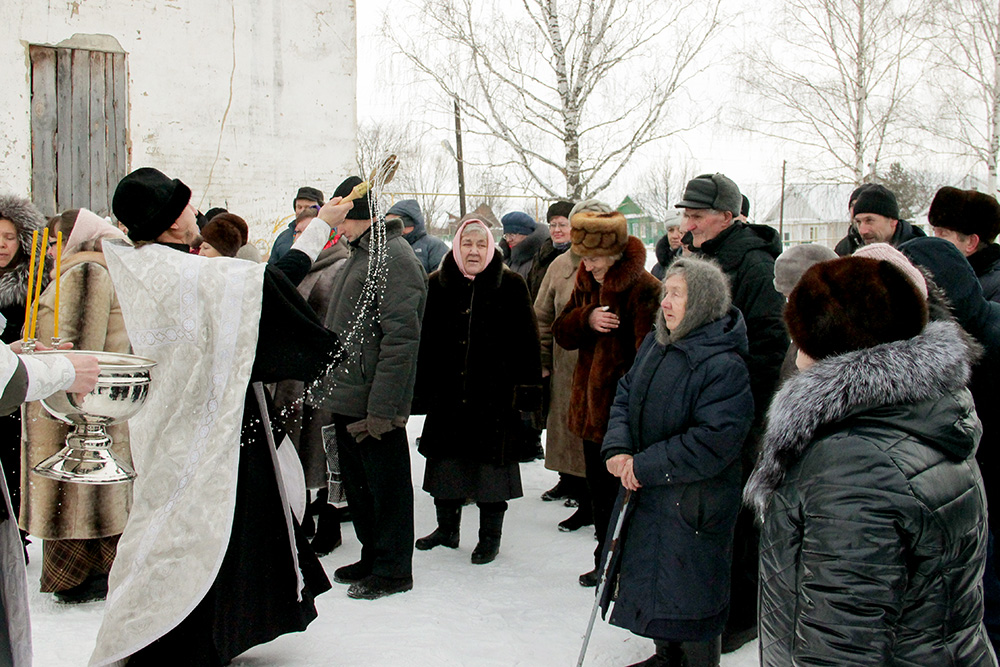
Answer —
(633, 294)
(91, 319)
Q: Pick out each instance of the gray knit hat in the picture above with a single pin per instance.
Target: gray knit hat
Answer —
(791, 264)
(708, 297)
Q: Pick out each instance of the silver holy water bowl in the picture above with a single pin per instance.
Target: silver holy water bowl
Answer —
(122, 387)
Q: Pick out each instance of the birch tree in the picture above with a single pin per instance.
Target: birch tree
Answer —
(832, 76)
(564, 90)
(967, 50)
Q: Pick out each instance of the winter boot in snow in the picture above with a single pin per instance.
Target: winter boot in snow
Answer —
(328, 536)
(490, 528)
(449, 517)
(668, 654)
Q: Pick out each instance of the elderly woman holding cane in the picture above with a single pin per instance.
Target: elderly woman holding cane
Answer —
(677, 424)
(474, 435)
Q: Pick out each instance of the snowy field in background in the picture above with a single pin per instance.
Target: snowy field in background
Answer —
(526, 608)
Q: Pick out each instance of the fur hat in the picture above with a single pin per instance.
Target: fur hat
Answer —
(311, 194)
(362, 209)
(791, 264)
(223, 233)
(597, 230)
(557, 209)
(708, 297)
(853, 303)
(877, 199)
(715, 191)
(966, 212)
(147, 202)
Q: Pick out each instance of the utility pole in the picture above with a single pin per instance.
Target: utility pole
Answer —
(458, 158)
(781, 206)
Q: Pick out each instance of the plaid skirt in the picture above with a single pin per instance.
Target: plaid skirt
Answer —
(68, 563)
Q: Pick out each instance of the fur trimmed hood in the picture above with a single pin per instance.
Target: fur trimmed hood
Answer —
(927, 366)
(622, 275)
(14, 278)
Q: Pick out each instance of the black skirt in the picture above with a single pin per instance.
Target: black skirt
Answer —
(450, 479)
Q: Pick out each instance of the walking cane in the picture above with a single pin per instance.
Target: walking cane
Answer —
(604, 575)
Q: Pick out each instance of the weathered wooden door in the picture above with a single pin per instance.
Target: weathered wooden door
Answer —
(79, 128)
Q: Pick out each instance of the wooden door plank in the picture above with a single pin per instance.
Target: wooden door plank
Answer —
(64, 129)
(97, 138)
(43, 129)
(80, 130)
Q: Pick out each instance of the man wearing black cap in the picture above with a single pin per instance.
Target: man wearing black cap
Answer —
(210, 535)
(875, 219)
(970, 220)
(746, 254)
(370, 393)
(304, 198)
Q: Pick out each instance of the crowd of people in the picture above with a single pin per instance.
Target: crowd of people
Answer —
(796, 443)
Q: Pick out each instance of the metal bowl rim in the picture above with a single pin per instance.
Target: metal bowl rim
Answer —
(118, 361)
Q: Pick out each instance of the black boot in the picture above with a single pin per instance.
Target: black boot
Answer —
(702, 654)
(583, 516)
(449, 517)
(668, 654)
(328, 536)
(490, 528)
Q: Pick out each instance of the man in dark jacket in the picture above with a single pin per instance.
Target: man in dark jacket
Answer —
(971, 221)
(430, 250)
(377, 316)
(304, 198)
(746, 254)
(875, 219)
(524, 237)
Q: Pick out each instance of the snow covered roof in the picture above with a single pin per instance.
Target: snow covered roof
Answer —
(819, 202)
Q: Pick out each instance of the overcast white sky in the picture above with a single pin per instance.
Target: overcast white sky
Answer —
(754, 162)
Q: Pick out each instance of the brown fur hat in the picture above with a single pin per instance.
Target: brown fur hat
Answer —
(597, 230)
(224, 234)
(853, 303)
(966, 212)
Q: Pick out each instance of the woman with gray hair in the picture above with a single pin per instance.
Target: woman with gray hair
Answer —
(677, 426)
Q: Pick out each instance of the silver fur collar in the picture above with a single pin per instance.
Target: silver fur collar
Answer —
(908, 371)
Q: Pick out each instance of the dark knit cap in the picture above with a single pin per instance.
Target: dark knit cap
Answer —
(745, 207)
(518, 222)
(966, 212)
(715, 191)
(361, 210)
(224, 234)
(877, 199)
(557, 209)
(853, 303)
(214, 211)
(857, 191)
(306, 192)
(147, 203)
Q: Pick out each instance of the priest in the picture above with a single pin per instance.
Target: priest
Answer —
(212, 561)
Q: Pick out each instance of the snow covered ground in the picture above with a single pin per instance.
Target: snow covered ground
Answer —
(524, 609)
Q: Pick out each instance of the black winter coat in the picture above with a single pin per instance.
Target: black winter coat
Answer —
(981, 318)
(473, 402)
(683, 412)
(665, 256)
(546, 254)
(986, 263)
(874, 515)
(746, 254)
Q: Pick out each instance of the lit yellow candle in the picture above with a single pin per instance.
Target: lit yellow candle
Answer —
(55, 316)
(38, 280)
(31, 283)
